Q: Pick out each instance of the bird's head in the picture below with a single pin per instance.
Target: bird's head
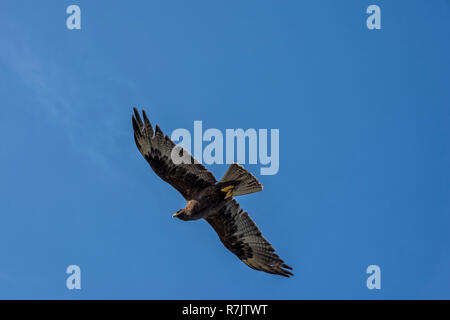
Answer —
(180, 214)
(190, 212)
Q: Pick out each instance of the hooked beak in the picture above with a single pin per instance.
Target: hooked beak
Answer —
(175, 214)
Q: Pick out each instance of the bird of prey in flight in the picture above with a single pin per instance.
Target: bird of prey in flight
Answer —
(208, 199)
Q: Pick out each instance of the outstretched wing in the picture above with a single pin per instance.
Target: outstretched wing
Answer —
(187, 178)
(240, 235)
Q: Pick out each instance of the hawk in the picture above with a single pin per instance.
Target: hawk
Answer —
(208, 199)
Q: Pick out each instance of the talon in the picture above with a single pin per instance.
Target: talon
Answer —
(227, 189)
(229, 194)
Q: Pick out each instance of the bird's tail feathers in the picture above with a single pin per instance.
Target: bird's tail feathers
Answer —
(243, 182)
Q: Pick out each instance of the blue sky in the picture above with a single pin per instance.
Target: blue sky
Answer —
(364, 146)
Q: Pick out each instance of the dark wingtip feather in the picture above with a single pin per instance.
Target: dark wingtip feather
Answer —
(137, 115)
(285, 273)
(138, 145)
(147, 123)
(286, 267)
(158, 130)
(135, 125)
(145, 116)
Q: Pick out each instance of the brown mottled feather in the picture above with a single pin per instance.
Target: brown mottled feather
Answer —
(156, 148)
(241, 235)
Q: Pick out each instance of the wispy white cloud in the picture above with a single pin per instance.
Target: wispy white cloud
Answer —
(59, 99)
